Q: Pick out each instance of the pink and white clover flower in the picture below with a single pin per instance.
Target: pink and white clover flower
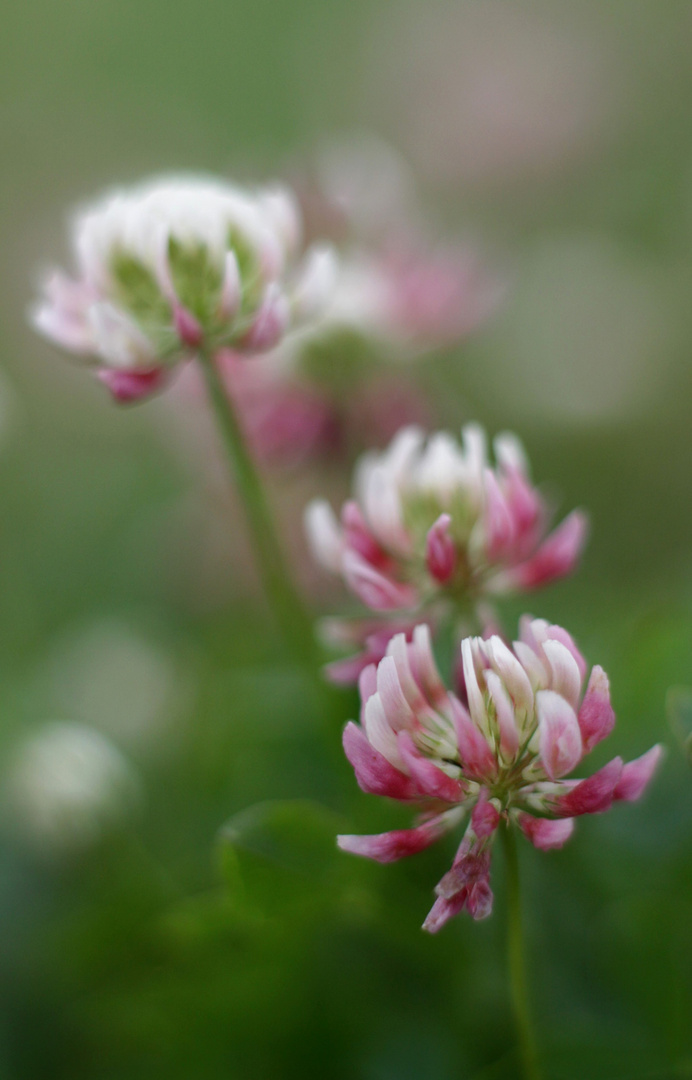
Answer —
(433, 521)
(501, 759)
(175, 264)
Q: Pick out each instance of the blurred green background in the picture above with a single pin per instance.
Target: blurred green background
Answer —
(558, 136)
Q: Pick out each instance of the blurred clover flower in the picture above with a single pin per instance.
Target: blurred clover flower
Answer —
(434, 521)
(177, 264)
(291, 418)
(398, 285)
(340, 379)
(498, 760)
(67, 786)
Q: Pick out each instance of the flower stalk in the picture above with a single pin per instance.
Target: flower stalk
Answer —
(516, 964)
(284, 599)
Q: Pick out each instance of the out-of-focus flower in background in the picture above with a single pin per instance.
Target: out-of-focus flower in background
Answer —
(499, 759)
(127, 684)
(490, 92)
(400, 283)
(357, 187)
(342, 379)
(433, 521)
(175, 264)
(66, 787)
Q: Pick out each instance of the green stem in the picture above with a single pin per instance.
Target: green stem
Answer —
(284, 599)
(516, 963)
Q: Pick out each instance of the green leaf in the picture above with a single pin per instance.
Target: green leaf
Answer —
(279, 854)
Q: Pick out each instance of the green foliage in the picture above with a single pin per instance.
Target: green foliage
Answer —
(280, 853)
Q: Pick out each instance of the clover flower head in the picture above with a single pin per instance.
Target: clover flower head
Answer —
(432, 518)
(394, 305)
(500, 758)
(174, 264)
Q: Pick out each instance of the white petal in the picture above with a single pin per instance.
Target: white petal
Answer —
(315, 283)
(559, 735)
(509, 735)
(379, 733)
(566, 679)
(400, 716)
(324, 534)
(473, 693)
(118, 339)
(510, 671)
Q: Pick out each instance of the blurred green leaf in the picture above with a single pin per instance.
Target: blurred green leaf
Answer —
(279, 853)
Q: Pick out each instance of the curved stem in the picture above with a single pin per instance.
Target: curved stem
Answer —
(516, 963)
(284, 599)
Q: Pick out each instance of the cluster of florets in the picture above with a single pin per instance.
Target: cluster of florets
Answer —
(175, 264)
(433, 520)
(499, 758)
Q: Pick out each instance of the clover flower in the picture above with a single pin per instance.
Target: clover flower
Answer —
(401, 302)
(344, 379)
(399, 283)
(432, 520)
(386, 309)
(501, 758)
(176, 264)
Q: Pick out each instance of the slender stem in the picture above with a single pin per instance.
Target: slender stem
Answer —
(284, 599)
(516, 963)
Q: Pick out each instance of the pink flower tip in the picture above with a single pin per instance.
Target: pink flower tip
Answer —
(593, 795)
(388, 847)
(637, 774)
(271, 322)
(130, 386)
(558, 554)
(485, 817)
(186, 327)
(596, 715)
(375, 775)
(544, 833)
(465, 886)
(559, 735)
(377, 590)
(440, 551)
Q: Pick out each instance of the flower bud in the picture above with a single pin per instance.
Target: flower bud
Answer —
(440, 553)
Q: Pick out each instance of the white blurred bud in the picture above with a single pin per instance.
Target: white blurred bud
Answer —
(67, 786)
